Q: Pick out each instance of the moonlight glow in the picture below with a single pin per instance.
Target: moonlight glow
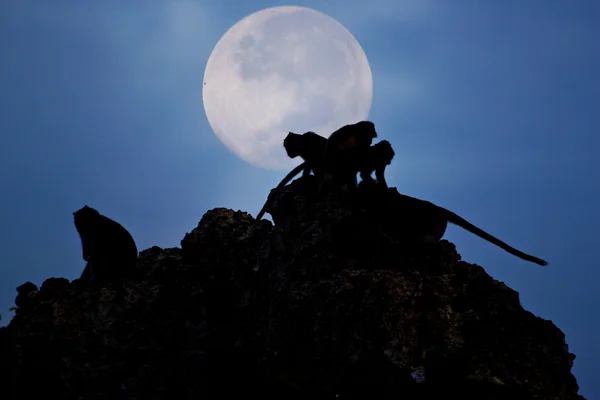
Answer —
(284, 69)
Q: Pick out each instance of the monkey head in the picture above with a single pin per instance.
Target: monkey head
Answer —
(351, 138)
(383, 152)
(367, 127)
(293, 144)
(366, 132)
(308, 145)
(84, 218)
(360, 134)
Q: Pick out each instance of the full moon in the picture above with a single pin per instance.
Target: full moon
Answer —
(284, 69)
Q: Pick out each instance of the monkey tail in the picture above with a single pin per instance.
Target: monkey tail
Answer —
(455, 219)
(285, 180)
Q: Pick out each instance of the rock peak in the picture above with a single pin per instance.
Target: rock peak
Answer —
(330, 302)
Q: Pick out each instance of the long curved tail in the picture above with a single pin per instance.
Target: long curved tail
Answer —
(284, 181)
(455, 219)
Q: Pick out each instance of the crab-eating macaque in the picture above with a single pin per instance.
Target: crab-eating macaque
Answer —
(346, 152)
(310, 146)
(108, 248)
(426, 222)
(379, 157)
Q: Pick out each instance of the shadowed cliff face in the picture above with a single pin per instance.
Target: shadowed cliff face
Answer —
(331, 302)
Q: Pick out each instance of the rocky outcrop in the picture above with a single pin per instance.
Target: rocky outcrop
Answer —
(331, 302)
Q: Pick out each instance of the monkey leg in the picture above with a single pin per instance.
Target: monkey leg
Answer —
(306, 172)
(365, 175)
(92, 273)
(86, 274)
(381, 178)
(102, 270)
(345, 176)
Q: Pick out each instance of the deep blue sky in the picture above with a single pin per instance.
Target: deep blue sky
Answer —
(492, 108)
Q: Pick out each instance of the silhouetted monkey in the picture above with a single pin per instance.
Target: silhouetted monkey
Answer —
(108, 248)
(380, 155)
(310, 147)
(425, 222)
(346, 152)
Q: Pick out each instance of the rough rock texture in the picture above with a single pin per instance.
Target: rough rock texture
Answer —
(330, 303)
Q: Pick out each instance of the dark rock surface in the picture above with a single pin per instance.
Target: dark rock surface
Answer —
(331, 303)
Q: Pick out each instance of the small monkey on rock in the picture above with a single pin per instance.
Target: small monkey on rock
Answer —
(379, 157)
(425, 222)
(108, 248)
(310, 147)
